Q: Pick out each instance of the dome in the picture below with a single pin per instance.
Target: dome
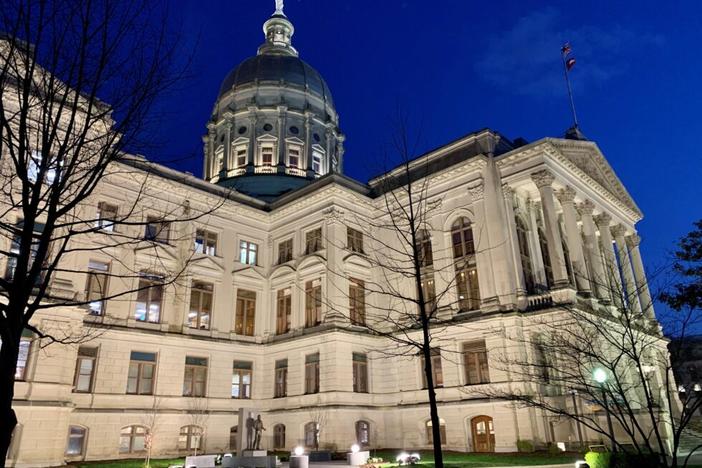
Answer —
(285, 69)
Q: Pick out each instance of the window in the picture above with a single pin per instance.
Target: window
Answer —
(219, 155)
(195, 379)
(525, 257)
(466, 270)
(363, 433)
(247, 252)
(281, 378)
(428, 290)
(85, 370)
(475, 363)
(442, 432)
(240, 155)
(245, 312)
(285, 251)
(267, 155)
(426, 263)
(142, 367)
(311, 429)
(190, 438)
(200, 306)
(279, 436)
(34, 167)
(206, 242)
(357, 301)
(96, 286)
(106, 216)
(360, 373)
(132, 439)
(149, 298)
(317, 158)
(313, 303)
(313, 241)
(354, 240)
(437, 374)
(76, 440)
(241, 380)
(283, 312)
(293, 156)
(312, 373)
(14, 252)
(156, 229)
(23, 356)
(426, 257)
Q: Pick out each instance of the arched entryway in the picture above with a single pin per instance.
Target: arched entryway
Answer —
(483, 434)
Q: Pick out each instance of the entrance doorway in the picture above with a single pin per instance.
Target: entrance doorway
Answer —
(483, 434)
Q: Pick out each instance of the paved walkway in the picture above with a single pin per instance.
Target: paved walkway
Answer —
(340, 463)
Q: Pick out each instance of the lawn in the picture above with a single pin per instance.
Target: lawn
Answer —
(137, 463)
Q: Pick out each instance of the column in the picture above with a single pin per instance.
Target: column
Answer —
(282, 163)
(488, 296)
(632, 296)
(251, 156)
(227, 148)
(598, 280)
(209, 160)
(610, 264)
(575, 246)
(308, 145)
(508, 193)
(534, 244)
(640, 276)
(544, 181)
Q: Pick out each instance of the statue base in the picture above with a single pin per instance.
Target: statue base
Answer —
(254, 453)
(299, 461)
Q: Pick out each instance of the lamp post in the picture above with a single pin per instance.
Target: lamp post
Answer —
(600, 376)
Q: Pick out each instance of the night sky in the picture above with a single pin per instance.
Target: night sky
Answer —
(455, 66)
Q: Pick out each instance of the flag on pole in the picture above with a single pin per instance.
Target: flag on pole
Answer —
(570, 63)
(568, 60)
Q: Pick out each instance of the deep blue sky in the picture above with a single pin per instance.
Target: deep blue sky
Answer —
(456, 66)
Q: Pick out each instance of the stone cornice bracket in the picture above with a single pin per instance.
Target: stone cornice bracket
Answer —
(633, 240)
(543, 178)
(333, 215)
(586, 208)
(477, 190)
(603, 220)
(507, 191)
(618, 230)
(566, 195)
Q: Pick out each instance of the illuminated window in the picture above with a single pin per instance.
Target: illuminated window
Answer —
(524, 254)
(149, 298)
(312, 373)
(142, 368)
(363, 433)
(313, 303)
(466, 269)
(360, 373)
(285, 251)
(247, 252)
(241, 379)
(267, 155)
(442, 432)
(195, 378)
(437, 374)
(357, 301)
(200, 312)
(96, 286)
(245, 312)
(206, 242)
(281, 378)
(313, 241)
(283, 311)
(475, 363)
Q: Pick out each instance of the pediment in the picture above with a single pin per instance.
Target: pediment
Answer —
(248, 271)
(310, 262)
(357, 260)
(208, 261)
(157, 250)
(282, 270)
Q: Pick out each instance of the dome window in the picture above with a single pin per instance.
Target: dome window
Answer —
(240, 152)
(242, 130)
(267, 155)
(268, 127)
(294, 130)
(316, 137)
(317, 161)
(294, 156)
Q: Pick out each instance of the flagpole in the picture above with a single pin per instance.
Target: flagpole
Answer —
(570, 90)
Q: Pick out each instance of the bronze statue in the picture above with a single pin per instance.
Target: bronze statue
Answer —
(258, 428)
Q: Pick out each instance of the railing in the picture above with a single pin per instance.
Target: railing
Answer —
(265, 170)
(539, 301)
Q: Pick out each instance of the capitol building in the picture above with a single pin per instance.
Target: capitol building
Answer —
(269, 313)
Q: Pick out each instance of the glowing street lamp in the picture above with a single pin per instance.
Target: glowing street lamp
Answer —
(600, 376)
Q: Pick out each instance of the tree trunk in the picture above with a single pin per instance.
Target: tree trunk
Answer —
(8, 420)
(433, 410)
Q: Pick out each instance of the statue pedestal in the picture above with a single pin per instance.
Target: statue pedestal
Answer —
(254, 453)
(357, 458)
(299, 461)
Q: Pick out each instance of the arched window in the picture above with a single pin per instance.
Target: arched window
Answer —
(232, 438)
(311, 434)
(464, 260)
(279, 436)
(523, 242)
(190, 438)
(132, 439)
(363, 433)
(442, 432)
(426, 263)
(76, 440)
(546, 258)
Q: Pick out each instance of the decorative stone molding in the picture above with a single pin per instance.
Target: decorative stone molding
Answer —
(333, 215)
(618, 230)
(633, 240)
(543, 178)
(603, 220)
(507, 191)
(477, 190)
(566, 195)
(586, 208)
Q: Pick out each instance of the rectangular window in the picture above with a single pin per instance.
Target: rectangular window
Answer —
(241, 156)
(437, 373)
(200, 312)
(294, 156)
(313, 241)
(475, 363)
(76, 441)
(241, 379)
(85, 370)
(357, 301)
(149, 299)
(281, 378)
(14, 252)
(354, 240)
(312, 373)
(23, 356)
(219, 154)
(313, 303)
(96, 286)
(283, 311)
(267, 155)
(195, 379)
(360, 373)
(206, 242)
(142, 368)
(316, 162)
(247, 252)
(245, 312)
(106, 216)
(285, 251)
(468, 289)
(156, 229)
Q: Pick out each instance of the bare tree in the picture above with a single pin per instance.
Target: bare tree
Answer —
(198, 415)
(318, 416)
(61, 62)
(150, 420)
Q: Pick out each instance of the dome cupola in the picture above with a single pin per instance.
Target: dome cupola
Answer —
(274, 126)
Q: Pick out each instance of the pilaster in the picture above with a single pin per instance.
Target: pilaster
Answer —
(520, 283)
(486, 283)
(335, 309)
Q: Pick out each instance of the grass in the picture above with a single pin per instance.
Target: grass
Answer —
(133, 463)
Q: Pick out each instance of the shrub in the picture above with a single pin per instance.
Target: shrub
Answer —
(620, 460)
(525, 446)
